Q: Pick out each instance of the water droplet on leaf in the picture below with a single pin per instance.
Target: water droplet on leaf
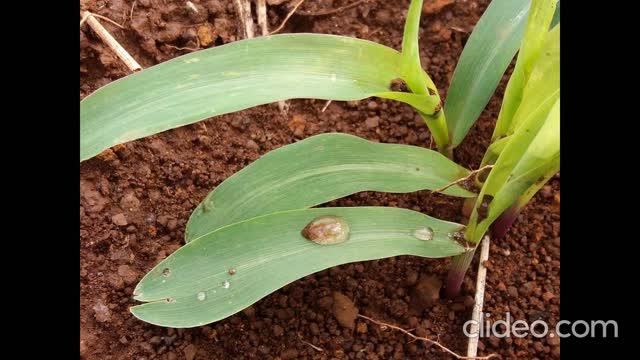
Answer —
(424, 233)
(166, 272)
(226, 284)
(232, 271)
(207, 204)
(327, 230)
(202, 296)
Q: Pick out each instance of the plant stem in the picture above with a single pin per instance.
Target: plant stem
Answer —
(503, 223)
(457, 270)
(448, 152)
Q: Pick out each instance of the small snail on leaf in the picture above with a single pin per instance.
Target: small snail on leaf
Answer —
(327, 230)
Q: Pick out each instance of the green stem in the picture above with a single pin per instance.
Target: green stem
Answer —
(448, 151)
(417, 79)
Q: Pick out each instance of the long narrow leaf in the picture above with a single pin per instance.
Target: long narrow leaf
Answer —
(411, 65)
(556, 16)
(195, 285)
(535, 38)
(543, 83)
(486, 56)
(530, 157)
(418, 80)
(540, 93)
(237, 76)
(320, 169)
(494, 150)
(515, 194)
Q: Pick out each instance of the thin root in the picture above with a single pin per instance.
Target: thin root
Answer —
(415, 338)
(87, 14)
(317, 348)
(326, 106)
(459, 29)
(471, 174)
(284, 22)
(133, 6)
(181, 48)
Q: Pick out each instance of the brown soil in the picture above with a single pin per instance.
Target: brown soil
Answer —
(136, 199)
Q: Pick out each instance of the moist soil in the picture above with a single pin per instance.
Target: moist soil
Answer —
(135, 200)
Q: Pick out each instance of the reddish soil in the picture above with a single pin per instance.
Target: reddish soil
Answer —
(136, 199)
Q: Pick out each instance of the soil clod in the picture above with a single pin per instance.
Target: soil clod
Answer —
(426, 292)
(344, 310)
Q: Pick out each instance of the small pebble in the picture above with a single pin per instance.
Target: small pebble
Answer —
(372, 122)
(278, 330)
(119, 219)
(190, 352)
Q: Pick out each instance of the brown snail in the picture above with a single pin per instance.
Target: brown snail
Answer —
(327, 230)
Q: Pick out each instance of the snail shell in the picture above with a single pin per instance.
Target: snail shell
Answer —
(327, 230)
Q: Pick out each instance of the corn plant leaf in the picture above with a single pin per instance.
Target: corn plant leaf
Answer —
(532, 153)
(543, 87)
(494, 150)
(535, 38)
(418, 80)
(486, 56)
(530, 158)
(516, 194)
(237, 76)
(540, 93)
(556, 16)
(411, 66)
(188, 289)
(320, 169)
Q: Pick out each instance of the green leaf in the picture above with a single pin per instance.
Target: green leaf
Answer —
(320, 169)
(539, 94)
(530, 158)
(418, 80)
(494, 150)
(556, 16)
(535, 38)
(532, 153)
(543, 85)
(237, 76)
(486, 56)
(411, 65)
(269, 252)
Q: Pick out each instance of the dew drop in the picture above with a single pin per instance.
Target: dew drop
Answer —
(166, 272)
(226, 284)
(207, 204)
(232, 271)
(327, 230)
(202, 296)
(423, 233)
